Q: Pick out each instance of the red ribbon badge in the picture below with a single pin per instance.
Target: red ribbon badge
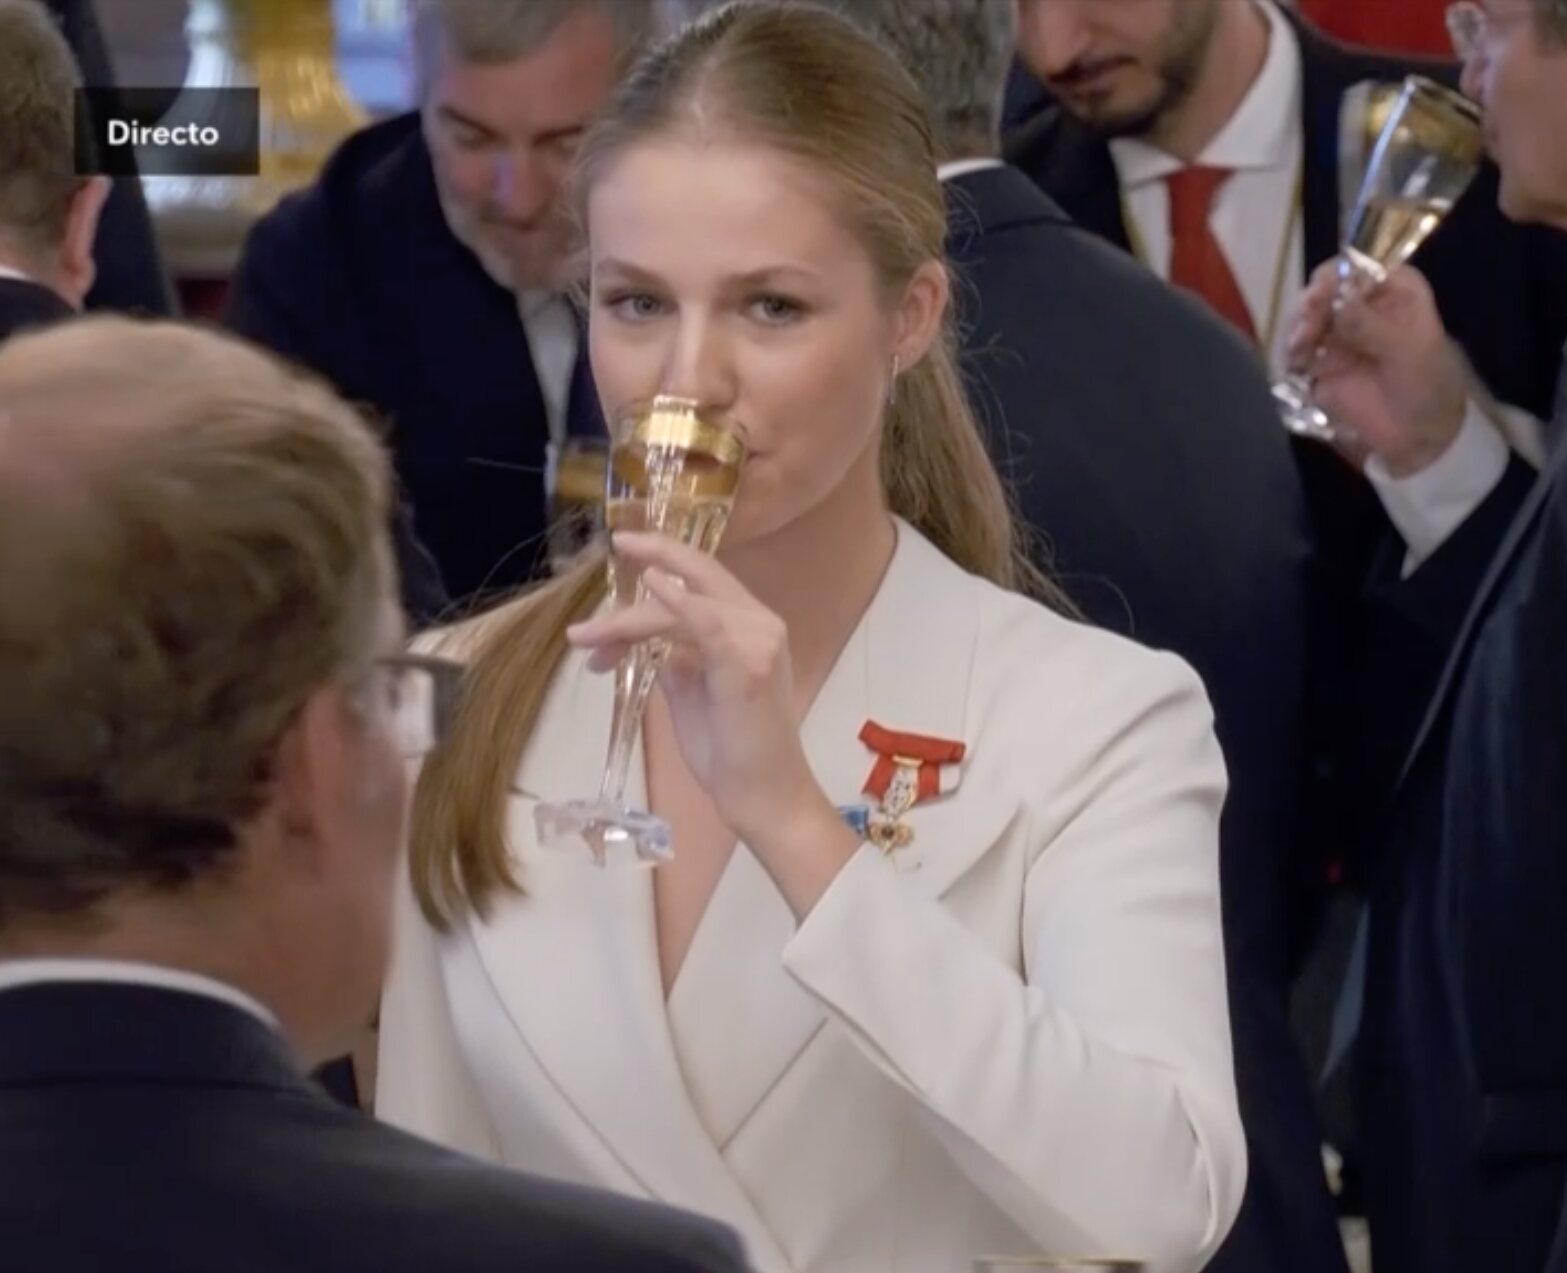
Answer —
(894, 748)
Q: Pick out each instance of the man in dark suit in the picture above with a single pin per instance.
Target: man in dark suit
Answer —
(205, 722)
(1137, 433)
(423, 272)
(52, 229)
(1463, 1030)
(1149, 96)
(130, 269)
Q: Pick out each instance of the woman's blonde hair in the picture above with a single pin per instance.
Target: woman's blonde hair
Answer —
(808, 84)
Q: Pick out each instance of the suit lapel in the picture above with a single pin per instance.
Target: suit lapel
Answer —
(575, 968)
(1323, 85)
(732, 984)
(1501, 565)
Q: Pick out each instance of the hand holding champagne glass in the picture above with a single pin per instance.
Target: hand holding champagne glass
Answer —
(674, 471)
(1428, 153)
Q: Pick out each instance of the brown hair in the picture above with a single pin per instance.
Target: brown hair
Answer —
(38, 80)
(192, 541)
(808, 84)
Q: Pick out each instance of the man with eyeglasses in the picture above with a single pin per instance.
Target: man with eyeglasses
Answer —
(1458, 1001)
(205, 723)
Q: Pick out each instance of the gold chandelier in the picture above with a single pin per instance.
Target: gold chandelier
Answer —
(285, 49)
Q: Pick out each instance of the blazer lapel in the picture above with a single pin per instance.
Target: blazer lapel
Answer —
(1323, 88)
(732, 984)
(1501, 565)
(575, 968)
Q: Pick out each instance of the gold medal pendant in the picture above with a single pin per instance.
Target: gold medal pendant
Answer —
(907, 771)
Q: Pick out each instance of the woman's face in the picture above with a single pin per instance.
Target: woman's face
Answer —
(723, 273)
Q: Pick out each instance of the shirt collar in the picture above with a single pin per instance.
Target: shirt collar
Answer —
(1260, 135)
(7, 272)
(962, 167)
(15, 973)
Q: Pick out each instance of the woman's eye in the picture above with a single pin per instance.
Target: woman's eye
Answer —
(777, 310)
(636, 307)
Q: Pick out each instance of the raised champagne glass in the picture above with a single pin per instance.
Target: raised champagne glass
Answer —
(1427, 154)
(675, 470)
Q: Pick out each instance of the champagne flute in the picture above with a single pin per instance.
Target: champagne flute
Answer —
(576, 499)
(1428, 153)
(674, 470)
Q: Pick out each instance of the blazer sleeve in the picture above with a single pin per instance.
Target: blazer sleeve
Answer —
(1093, 1096)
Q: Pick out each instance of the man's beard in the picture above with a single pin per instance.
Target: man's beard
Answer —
(1180, 66)
(468, 229)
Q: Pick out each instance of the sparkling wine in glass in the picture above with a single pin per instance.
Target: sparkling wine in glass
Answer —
(1429, 151)
(674, 470)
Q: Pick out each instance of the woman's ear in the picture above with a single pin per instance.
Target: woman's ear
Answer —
(920, 313)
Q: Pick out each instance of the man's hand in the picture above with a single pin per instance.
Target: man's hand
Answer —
(1384, 367)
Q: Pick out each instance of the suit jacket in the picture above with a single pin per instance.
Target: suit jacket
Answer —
(360, 278)
(25, 304)
(1011, 1037)
(143, 1128)
(1137, 431)
(130, 270)
(1463, 1048)
(1511, 319)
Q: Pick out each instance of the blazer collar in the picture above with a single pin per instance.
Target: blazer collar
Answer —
(53, 1032)
(987, 201)
(575, 965)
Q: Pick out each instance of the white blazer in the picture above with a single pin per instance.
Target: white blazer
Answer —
(1011, 1039)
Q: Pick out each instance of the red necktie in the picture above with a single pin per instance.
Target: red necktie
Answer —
(1197, 262)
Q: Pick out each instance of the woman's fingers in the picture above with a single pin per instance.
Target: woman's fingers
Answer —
(698, 570)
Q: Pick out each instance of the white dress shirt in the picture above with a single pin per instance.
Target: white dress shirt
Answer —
(962, 167)
(7, 272)
(16, 973)
(1256, 215)
(551, 329)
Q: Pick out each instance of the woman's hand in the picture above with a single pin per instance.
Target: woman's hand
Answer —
(727, 681)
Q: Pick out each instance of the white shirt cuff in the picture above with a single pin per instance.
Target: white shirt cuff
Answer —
(1428, 506)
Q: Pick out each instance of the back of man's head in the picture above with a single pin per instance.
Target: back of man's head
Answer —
(196, 575)
(959, 53)
(48, 214)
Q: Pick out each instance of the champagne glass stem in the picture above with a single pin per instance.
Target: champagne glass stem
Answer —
(633, 683)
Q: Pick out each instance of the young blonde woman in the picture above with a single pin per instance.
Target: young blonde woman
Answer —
(1007, 1033)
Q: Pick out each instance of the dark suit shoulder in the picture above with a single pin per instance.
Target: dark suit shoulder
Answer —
(510, 1219)
(25, 304)
(277, 1171)
(327, 215)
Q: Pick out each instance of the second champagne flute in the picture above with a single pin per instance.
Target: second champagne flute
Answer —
(674, 470)
(1428, 153)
